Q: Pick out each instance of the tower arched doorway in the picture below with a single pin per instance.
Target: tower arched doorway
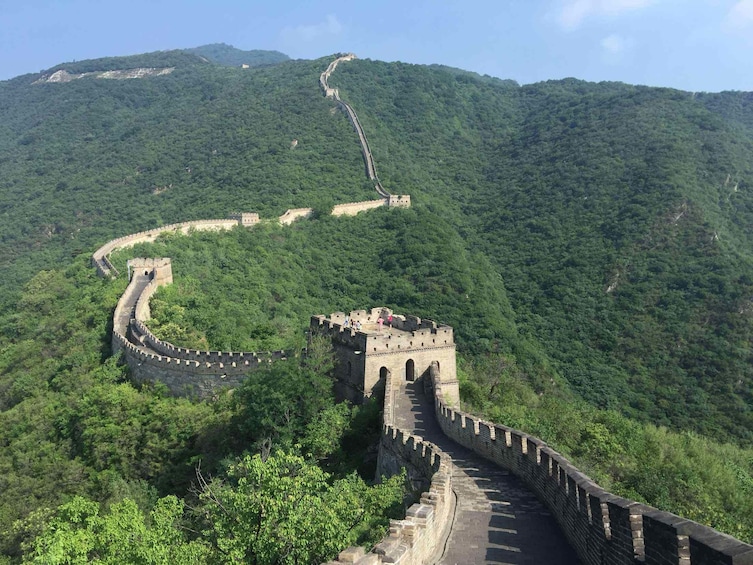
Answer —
(383, 372)
(410, 370)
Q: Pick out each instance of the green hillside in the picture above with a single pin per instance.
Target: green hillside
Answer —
(92, 159)
(224, 54)
(611, 213)
(590, 243)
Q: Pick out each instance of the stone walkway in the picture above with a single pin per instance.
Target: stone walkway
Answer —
(138, 283)
(497, 519)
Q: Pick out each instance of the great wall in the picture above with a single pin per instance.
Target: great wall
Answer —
(489, 493)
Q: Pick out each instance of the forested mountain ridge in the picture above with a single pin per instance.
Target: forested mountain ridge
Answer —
(224, 54)
(585, 240)
(619, 217)
(89, 160)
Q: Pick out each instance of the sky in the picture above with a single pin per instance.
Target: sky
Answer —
(694, 45)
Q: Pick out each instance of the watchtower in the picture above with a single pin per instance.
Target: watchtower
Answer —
(401, 347)
(158, 269)
(398, 201)
(245, 219)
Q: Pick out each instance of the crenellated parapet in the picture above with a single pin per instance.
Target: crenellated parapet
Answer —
(402, 332)
(226, 358)
(601, 527)
(418, 538)
(190, 367)
(100, 258)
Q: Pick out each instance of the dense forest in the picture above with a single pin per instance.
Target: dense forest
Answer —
(590, 243)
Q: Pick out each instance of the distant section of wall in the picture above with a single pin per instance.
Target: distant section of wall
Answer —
(100, 257)
(294, 214)
(352, 208)
(333, 93)
(603, 528)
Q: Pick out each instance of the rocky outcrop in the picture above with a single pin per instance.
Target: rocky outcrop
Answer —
(64, 76)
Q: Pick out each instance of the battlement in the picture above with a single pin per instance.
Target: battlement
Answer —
(188, 367)
(377, 349)
(403, 333)
(414, 539)
(143, 334)
(601, 527)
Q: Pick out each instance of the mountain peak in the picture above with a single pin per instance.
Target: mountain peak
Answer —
(224, 54)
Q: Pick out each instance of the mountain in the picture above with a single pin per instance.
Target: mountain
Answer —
(618, 216)
(223, 54)
(590, 243)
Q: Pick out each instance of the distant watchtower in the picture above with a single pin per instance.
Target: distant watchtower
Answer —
(404, 350)
(245, 219)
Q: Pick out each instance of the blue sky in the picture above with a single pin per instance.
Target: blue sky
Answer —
(695, 45)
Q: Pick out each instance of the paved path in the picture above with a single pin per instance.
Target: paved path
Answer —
(497, 519)
(137, 284)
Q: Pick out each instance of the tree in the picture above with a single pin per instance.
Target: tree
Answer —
(80, 534)
(283, 510)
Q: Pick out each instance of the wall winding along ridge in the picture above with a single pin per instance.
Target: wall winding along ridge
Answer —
(185, 371)
(335, 95)
(603, 528)
(100, 258)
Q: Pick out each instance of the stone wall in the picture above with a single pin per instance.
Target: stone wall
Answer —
(294, 214)
(419, 538)
(181, 377)
(333, 93)
(352, 208)
(103, 265)
(602, 527)
(228, 358)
